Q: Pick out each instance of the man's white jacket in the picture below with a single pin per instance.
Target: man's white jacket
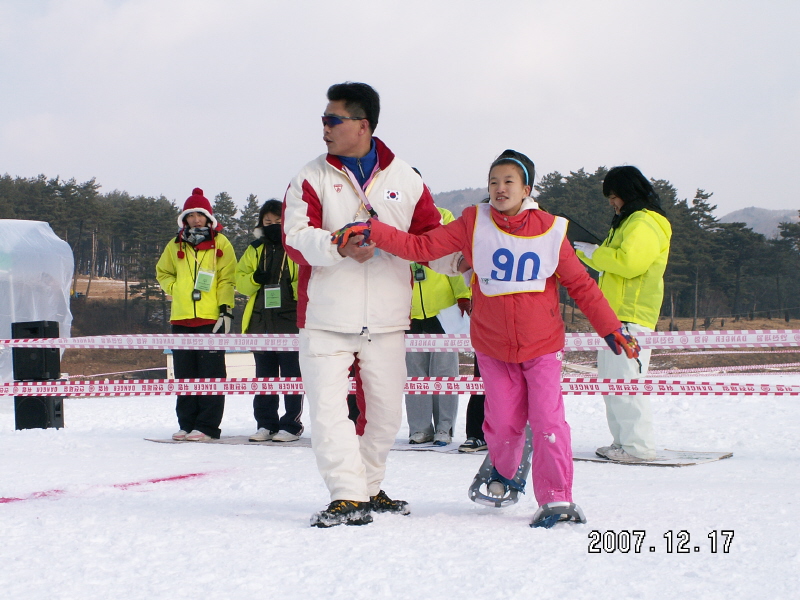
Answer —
(337, 293)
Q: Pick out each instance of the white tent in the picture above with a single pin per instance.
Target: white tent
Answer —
(35, 276)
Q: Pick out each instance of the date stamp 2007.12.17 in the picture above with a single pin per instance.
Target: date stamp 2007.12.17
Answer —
(625, 541)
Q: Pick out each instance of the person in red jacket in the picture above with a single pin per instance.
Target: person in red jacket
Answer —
(519, 254)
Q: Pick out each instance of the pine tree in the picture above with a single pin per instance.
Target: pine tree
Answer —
(791, 233)
(245, 224)
(225, 212)
(579, 197)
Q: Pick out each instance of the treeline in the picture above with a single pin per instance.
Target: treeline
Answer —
(715, 270)
(116, 235)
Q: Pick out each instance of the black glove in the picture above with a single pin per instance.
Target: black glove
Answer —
(225, 320)
(261, 277)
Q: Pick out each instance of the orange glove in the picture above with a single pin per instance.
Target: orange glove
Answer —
(341, 236)
(621, 341)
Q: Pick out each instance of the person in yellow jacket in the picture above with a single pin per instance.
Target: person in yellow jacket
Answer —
(197, 270)
(431, 417)
(631, 262)
(269, 277)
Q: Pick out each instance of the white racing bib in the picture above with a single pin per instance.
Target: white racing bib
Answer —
(511, 264)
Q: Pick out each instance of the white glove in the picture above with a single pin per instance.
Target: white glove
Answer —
(225, 320)
(585, 247)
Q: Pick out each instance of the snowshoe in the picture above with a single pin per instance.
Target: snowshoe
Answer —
(499, 491)
(551, 513)
(347, 512)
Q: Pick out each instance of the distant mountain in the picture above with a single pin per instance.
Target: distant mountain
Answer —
(457, 200)
(761, 220)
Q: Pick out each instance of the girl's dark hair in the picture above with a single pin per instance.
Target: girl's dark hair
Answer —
(271, 206)
(636, 192)
(527, 169)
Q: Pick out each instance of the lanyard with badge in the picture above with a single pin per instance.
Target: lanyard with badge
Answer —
(363, 196)
(204, 279)
(272, 292)
(360, 191)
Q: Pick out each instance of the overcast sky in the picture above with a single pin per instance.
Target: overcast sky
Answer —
(159, 96)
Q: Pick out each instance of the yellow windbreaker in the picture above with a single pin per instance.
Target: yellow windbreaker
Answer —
(176, 276)
(437, 291)
(246, 285)
(632, 260)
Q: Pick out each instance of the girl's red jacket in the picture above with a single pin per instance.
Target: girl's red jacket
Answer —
(513, 327)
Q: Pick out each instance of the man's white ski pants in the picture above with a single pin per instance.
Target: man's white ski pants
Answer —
(353, 467)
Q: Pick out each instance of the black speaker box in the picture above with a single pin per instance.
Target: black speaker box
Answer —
(34, 412)
(35, 364)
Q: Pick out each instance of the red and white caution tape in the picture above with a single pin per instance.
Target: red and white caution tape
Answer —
(757, 338)
(232, 341)
(739, 352)
(660, 387)
(190, 341)
(785, 367)
(414, 385)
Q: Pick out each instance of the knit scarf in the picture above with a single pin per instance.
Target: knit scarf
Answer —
(196, 235)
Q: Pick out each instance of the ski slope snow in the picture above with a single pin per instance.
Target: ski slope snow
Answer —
(95, 511)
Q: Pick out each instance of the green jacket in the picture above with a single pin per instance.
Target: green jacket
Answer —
(264, 256)
(632, 260)
(176, 276)
(437, 291)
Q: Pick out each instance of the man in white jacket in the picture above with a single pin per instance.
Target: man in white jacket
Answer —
(353, 300)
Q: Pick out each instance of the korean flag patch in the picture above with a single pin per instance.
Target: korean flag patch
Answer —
(391, 195)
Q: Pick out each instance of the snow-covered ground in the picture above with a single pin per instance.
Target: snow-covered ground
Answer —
(239, 529)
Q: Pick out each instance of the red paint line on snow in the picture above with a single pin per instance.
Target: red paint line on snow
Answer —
(125, 486)
(34, 496)
(120, 486)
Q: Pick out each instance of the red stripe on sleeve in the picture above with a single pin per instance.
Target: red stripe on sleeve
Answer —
(314, 214)
(425, 217)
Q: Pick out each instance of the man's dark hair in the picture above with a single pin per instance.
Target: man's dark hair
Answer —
(359, 99)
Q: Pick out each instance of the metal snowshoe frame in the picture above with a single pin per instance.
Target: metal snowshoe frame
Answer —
(481, 479)
(567, 511)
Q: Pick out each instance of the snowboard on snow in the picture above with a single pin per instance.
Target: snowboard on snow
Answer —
(405, 446)
(664, 458)
(303, 442)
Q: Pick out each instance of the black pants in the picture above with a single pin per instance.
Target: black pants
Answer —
(475, 411)
(203, 413)
(265, 407)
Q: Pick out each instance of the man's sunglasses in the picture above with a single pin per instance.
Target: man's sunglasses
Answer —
(331, 120)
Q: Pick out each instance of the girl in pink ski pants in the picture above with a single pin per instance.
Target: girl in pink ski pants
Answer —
(522, 393)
